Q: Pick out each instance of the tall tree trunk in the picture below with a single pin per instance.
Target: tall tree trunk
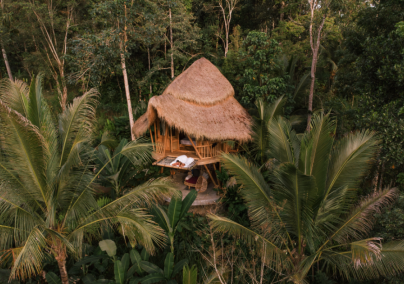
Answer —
(60, 256)
(148, 55)
(315, 48)
(63, 271)
(126, 81)
(3, 50)
(282, 12)
(63, 101)
(172, 46)
(127, 92)
(311, 94)
(230, 5)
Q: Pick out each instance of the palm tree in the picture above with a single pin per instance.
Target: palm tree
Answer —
(309, 215)
(47, 203)
(265, 113)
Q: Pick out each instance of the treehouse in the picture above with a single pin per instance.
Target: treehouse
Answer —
(196, 116)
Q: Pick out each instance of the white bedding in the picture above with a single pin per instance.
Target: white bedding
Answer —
(183, 159)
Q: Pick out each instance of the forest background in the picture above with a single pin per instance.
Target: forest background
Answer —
(130, 50)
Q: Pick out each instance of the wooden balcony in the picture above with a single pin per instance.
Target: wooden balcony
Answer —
(172, 143)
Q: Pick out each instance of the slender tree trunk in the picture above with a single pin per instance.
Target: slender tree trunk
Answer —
(63, 271)
(63, 101)
(314, 47)
(60, 256)
(172, 46)
(126, 81)
(148, 55)
(226, 48)
(282, 13)
(127, 92)
(311, 94)
(230, 5)
(3, 50)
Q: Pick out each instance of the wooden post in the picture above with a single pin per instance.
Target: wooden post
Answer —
(151, 137)
(171, 139)
(192, 142)
(155, 133)
(177, 135)
(218, 181)
(158, 129)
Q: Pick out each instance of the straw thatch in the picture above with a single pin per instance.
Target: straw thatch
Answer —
(201, 103)
(202, 83)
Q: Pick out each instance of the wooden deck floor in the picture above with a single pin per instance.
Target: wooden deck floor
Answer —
(192, 154)
(209, 197)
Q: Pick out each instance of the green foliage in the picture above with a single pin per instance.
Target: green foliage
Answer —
(156, 274)
(371, 77)
(52, 278)
(108, 246)
(189, 275)
(359, 80)
(311, 204)
(169, 220)
(118, 170)
(54, 207)
(235, 205)
(390, 222)
(258, 80)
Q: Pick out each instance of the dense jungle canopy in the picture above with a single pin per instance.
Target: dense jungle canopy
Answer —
(338, 63)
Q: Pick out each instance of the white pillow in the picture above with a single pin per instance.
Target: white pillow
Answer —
(182, 159)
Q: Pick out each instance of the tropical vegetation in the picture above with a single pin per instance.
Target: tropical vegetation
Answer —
(308, 213)
(315, 197)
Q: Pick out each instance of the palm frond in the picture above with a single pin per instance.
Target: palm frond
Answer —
(388, 261)
(359, 223)
(255, 191)
(299, 194)
(76, 197)
(138, 226)
(108, 140)
(15, 95)
(266, 112)
(29, 260)
(285, 145)
(315, 149)
(76, 123)
(35, 101)
(144, 194)
(7, 237)
(137, 151)
(350, 160)
(25, 146)
(302, 85)
(274, 253)
(365, 251)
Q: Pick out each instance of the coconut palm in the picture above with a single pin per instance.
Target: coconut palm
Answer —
(48, 205)
(265, 113)
(309, 215)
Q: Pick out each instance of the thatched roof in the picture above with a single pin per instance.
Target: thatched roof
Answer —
(201, 103)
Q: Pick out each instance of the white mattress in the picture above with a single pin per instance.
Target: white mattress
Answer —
(183, 159)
